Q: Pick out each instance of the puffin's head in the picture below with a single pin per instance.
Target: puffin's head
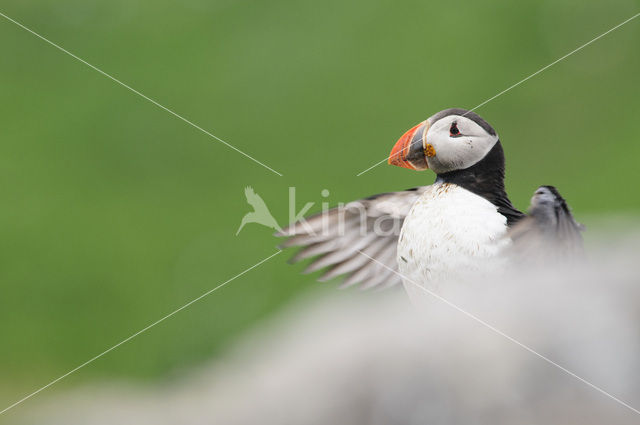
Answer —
(453, 139)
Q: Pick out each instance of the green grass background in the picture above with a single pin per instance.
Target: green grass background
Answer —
(114, 212)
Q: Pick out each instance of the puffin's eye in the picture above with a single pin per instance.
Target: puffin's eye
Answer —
(453, 130)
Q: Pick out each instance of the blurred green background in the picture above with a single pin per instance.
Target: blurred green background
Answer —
(115, 213)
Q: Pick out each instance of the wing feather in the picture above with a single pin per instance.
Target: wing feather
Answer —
(336, 237)
(548, 232)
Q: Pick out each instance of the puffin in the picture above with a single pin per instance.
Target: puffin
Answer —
(464, 223)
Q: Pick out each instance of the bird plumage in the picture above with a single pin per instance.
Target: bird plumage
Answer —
(461, 223)
(370, 225)
(548, 232)
(449, 233)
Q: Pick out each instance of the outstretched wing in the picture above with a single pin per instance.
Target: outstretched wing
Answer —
(336, 237)
(549, 231)
(254, 199)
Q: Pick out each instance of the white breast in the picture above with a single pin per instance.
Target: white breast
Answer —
(449, 233)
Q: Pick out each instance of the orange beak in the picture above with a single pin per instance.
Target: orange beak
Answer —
(409, 150)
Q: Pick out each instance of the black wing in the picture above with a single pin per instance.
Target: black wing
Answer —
(549, 230)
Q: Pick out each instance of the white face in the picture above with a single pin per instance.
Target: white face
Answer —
(458, 142)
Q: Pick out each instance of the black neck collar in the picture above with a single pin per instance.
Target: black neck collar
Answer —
(486, 179)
